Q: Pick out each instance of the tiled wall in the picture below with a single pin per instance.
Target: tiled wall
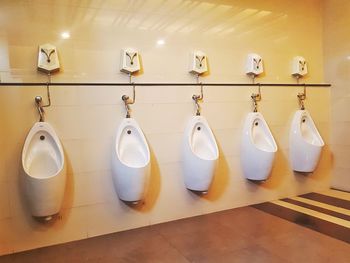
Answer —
(337, 71)
(86, 118)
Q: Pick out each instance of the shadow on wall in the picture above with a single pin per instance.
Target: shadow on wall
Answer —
(220, 180)
(278, 171)
(70, 183)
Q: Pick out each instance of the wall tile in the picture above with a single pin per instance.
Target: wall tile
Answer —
(86, 117)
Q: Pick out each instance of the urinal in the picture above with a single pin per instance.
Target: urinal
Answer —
(258, 148)
(131, 161)
(200, 155)
(44, 170)
(305, 143)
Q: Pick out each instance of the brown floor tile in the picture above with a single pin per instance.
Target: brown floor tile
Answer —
(238, 235)
(307, 245)
(252, 254)
(141, 246)
(186, 226)
(201, 237)
(255, 223)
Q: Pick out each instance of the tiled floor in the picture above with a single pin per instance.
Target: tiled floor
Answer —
(238, 235)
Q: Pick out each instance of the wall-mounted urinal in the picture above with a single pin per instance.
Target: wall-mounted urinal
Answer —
(200, 151)
(305, 143)
(44, 170)
(200, 155)
(131, 161)
(258, 148)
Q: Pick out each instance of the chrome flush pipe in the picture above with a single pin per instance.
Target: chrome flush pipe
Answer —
(127, 100)
(302, 97)
(255, 98)
(39, 100)
(197, 98)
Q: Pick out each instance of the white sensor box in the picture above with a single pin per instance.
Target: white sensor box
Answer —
(198, 62)
(129, 61)
(48, 58)
(299, 66)
(254, 65)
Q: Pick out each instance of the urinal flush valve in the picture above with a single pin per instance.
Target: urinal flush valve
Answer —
(38, 102)
(127, 107)
(196, 98)
(255, 98)
(302, 97)
(128, 101)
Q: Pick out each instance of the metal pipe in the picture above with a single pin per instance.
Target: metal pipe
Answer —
(38, 102)
(198, 107)
(302, 98)
(256, 97)
(197, 98)
(164, 84)
(127, 101)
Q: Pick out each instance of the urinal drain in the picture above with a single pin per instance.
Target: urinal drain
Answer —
(198, 128)
(304, 120)
(42, 137)
(128, 132)
(256, 124)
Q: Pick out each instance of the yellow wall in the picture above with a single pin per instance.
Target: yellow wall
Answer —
(86, 118)
(337, 71)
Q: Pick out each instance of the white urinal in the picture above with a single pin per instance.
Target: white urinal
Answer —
(200, 155)
(305, 142)
(44, 170)
(131, 161)
(258, 148)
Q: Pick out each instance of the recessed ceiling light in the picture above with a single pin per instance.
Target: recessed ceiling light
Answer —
(65, 35)
(160, 42)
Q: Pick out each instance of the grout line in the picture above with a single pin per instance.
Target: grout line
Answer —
(172, 245)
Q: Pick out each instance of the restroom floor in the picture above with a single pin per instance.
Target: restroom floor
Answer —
(245, 234)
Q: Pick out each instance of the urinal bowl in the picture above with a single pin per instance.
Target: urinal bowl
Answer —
(44, 171)
(198, 172)
(305, 158)
(200, 155)
(305, 143)
(130, 183)
(130, 162)
(256, 164)
(45, 196)
(258, 148)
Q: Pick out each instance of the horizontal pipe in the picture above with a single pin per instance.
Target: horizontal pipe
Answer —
(163, 84)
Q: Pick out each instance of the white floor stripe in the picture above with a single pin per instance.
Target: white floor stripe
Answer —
(323, 205)
(337, 194)
(313, 213)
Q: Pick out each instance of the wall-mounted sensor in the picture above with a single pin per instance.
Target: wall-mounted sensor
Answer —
(129, 61)
(198, 63)
(48, 58)
(299, 67)
(254, 65)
